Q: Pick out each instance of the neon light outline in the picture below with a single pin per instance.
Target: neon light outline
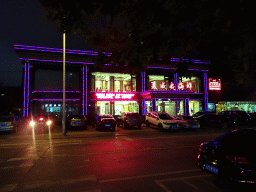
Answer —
(39, 91)
(28, 88)
(24, 90)
(56, 61)
(115, 95)
(57, 50)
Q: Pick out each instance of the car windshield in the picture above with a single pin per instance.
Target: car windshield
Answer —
(133, 115)
(187, 117)
(104, 116)
(77, 117)
(165, 116)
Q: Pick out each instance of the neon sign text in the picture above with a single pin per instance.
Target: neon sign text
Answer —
(214, 84)
(115, 95)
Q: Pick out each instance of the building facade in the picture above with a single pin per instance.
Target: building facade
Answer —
(100, 88)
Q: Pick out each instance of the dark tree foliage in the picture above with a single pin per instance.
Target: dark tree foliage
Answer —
(142, 31)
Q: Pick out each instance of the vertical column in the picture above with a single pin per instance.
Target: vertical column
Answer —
(83, 104)
(176, 81)
(112, 83)
(28, 74)
(205, 92)
(24, 89)
(86, 90)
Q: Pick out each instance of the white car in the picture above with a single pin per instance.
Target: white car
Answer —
(161, 120)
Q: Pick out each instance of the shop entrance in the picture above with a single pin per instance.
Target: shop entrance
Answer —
(116, 107)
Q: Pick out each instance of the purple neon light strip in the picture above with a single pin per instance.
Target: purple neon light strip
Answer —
(57, 50)
(205, 92)
(56, 99)
(150, 67)
(28, 88)
(86, 89)
(38, 91)
(57, 61)
(174, 92)
(24, 90)
(83, 91)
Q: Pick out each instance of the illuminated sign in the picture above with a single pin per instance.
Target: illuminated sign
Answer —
(181, 86)
(214, 84)
(115, 96)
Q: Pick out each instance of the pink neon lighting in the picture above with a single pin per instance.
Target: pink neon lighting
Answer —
(214, 84)
(115, 95)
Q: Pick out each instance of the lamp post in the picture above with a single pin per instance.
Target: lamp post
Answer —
(64, 88)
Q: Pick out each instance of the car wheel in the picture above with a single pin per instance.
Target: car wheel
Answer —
(224, 126)
(147, 124)
(160, 127)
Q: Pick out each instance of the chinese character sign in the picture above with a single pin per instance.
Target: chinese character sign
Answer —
(214, 84)
(182, 86)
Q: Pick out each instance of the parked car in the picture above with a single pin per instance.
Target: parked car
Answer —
(131, 119)
(105, 122)
(161, 120)
(231, 156)
(214, 120)
(241, 117)
(186, 121)
(253, 118)
(40, 121)
(8, 123)
(76, 121)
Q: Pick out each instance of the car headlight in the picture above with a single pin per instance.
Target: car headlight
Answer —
(49, 122)
(32, 123)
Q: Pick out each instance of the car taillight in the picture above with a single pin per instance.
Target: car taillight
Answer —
(237, 159)
(41, 119)
(202, 148)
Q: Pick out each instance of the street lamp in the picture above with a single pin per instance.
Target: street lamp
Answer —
(64, 88)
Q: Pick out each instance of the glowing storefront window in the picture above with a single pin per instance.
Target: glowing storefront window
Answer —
(114, 82)
(189, 84)
(157, 81)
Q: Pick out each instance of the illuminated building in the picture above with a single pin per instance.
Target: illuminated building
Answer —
(93, 88)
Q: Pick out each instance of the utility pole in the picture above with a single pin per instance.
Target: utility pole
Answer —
(64, 87)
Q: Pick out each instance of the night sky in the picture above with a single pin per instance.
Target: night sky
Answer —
(24, 22)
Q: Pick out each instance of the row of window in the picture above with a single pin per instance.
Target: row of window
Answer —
(116, 82)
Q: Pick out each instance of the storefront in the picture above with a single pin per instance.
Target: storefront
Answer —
(174, 95)
(248, 106)
(114, 93)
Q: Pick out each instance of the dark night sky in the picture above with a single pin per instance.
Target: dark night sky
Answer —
(24, 22)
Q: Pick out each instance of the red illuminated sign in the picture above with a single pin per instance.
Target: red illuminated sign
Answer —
(214, 84)
(114, 96)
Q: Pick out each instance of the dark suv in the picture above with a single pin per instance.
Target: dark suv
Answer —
(241, 117)
(208, 119)
(131, 119)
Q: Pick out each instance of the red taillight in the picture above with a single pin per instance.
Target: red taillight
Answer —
(237, 159)
(202, 149)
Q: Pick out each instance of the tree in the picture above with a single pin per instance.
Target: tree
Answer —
(137, 30)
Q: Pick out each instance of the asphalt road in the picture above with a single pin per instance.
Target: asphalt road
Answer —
(91, 161)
